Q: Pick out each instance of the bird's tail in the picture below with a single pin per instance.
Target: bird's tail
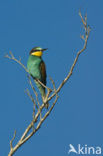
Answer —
(43, 94)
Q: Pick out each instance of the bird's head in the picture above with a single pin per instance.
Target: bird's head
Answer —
(37, 51)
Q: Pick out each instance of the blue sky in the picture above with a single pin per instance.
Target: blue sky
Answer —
(56, 25)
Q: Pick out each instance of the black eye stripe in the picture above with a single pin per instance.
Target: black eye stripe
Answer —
(35, 50)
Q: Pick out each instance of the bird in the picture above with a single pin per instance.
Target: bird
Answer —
(37, 69)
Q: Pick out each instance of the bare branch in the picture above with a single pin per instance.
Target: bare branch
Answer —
(36, 122)
(49, 89)
(12, 139)
(35, 93)
(11, 57)
(87, 31)
(31, 97)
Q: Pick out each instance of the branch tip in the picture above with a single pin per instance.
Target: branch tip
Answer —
(12, 140)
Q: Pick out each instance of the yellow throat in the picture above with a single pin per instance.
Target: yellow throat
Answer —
(37, 53)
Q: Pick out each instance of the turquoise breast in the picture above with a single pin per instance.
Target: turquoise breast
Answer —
(33, 66)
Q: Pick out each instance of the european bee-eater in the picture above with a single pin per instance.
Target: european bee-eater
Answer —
(37, 69)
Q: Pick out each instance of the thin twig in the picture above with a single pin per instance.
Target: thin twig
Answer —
(30, 96)
(11, 57)
(12, 139)
(35, 93)
(49, 89)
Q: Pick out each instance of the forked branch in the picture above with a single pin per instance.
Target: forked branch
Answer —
(38, 116)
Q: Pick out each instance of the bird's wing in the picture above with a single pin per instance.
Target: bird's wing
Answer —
(43, 72)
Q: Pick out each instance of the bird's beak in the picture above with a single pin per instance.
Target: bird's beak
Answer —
(44, 49)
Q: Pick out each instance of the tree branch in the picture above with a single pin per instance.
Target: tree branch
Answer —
(87, 31)
(38, 117)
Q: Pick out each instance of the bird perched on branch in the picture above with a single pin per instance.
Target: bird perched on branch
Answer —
(37, 70)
